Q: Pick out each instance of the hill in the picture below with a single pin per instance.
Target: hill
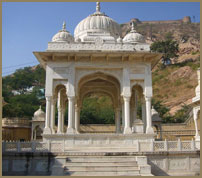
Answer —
(175, 85)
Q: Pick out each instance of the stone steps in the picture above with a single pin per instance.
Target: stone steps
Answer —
(131, 163)
(97, 173)
(122, 159)
(90, 165)
(101, 168)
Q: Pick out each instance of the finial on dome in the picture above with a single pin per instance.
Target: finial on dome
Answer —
(97, 6)
(64, 26)
(133, 27)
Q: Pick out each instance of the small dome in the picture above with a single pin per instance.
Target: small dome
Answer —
(39, 114)
(63, 35)
(97, 23)
(133, 36)
(119, 40)
(155, 115)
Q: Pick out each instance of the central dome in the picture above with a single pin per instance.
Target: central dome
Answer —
(97, 24)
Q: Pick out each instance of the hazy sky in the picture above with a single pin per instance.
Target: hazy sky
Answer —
(29, 26)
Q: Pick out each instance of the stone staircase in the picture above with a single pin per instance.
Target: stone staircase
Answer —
(101, 166)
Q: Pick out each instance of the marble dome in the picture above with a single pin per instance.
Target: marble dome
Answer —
(39, 114)
(133, 36)
(63, 35)
(97, 23)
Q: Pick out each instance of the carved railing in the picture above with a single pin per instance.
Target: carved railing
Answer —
(139, 146)
(25, 146)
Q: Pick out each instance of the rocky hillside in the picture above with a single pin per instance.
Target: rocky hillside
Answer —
(174, 85)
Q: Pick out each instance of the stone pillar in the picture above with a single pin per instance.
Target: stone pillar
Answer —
(144, 115)
(35, 134)
(118, 120)
(77, 119)
(127, 128)
(149, 129)
(59, 131)
(133, 113)
(32, 132)
(195, 112)
(123, 117)
(47, 129)
(53, 102)
(70, 129)
(135, 108)
(63, 119)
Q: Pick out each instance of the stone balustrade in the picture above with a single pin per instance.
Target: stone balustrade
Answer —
(138, 146)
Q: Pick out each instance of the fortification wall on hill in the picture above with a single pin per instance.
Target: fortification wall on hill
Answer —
(185, 19)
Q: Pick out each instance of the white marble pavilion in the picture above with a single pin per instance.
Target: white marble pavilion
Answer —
(98, 60)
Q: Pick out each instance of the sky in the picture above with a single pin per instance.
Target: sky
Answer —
(29, 26)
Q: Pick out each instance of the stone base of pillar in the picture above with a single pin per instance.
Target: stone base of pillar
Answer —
(52, 131)
(47, 131)
(59, 132)
(197, 138)
(138, 126)
(197, 142)
(77, 132)
(118, 131)
(127, 130)
(149, 130)
(71, 131)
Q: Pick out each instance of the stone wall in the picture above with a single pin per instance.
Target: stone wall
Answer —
(16, 133)
(162, 163)
(185, 19)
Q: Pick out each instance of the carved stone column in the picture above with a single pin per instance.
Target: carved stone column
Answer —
(135, 108)
(53, 102)
(59, 131)
(77, 119)
(47, 129)
(123, 117)
(71, 129)
(118, 120)
(127, 128)
(195, 112)
(149, 129)
(144, 115)
(63, 119)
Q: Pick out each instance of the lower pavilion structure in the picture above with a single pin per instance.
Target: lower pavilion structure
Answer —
(98, 60)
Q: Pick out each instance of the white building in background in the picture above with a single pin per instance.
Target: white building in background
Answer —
(38, 124)
(196, 109)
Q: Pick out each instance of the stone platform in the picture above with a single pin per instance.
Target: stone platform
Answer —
(96, 140)
(129, 163)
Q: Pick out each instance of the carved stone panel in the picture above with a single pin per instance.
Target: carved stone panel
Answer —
(62, 70)
(19, 165)
(137, 70)
(160, 163)
(178, 163)
(41, 166)
(195, 163)
(5, 165)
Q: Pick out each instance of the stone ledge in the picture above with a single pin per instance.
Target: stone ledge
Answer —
(80, 153)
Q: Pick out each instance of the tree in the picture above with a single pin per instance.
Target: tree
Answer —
(26, 103)
(169, 36)
(162, 110)
(169, 48)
